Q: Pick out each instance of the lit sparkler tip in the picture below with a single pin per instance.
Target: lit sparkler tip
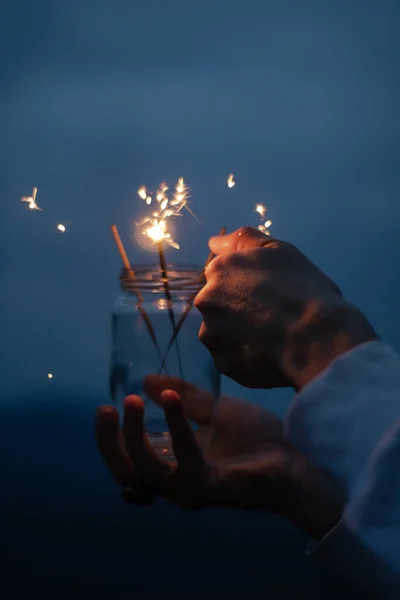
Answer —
(157, 230)
(61, 228)
(231, 182)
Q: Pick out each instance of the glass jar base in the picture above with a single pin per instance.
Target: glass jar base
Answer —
(161, 444)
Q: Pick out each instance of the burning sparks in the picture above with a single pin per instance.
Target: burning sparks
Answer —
(265, 225)
(155, 225)
(31, 200)
(231, 182)
(49, 376)
(142, 193)
(32, 205)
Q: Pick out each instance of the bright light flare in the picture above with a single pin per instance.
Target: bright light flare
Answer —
(49, 376)
(61, 228)
(261, 209)
(231, 182)
(156, 231)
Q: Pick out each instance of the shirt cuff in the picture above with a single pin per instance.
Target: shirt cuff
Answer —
(339, 417)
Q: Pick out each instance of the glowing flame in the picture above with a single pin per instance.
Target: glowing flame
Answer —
(155, 225)
(156, 231)
(231, 182)
(31, 200)
(61, 228)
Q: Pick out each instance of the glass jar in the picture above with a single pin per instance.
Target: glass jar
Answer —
(144, 343)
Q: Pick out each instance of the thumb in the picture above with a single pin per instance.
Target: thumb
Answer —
(241, 239)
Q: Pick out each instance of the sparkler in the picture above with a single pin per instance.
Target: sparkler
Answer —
(31, 200)
(155, 228)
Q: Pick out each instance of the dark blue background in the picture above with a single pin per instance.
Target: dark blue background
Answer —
(300, 100)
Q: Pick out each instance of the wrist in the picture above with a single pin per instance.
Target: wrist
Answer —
(331, 332)
(315, 501)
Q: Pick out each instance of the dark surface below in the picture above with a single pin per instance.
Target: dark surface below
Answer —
(65, 532)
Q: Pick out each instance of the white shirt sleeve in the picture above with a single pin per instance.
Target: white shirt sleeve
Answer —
(347, 421)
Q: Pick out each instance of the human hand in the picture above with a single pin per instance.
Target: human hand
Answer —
(248, 465)
(271, 318)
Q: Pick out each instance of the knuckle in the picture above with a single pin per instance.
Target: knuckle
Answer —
(247, 231)
(248, 237)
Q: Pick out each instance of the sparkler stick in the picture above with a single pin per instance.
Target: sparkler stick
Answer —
(187, 310)
(131, 275)
(167, 291)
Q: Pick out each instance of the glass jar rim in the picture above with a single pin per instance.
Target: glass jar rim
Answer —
(149, 278)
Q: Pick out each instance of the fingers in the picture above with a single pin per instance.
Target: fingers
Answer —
(111, 445)
(198, 403)
(146, 463)
(243, 238)
(186, 449)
